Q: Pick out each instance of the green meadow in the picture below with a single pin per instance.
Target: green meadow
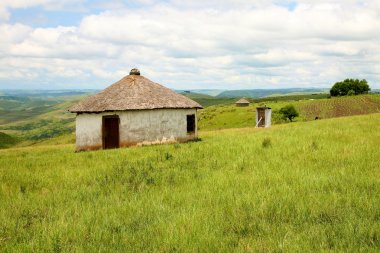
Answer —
(300, 187)
(229, 116)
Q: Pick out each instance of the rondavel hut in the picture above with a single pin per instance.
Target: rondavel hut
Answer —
(242, 102)
(134, 111)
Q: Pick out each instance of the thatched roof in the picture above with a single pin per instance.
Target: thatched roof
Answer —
(242, 101)
(134, 92)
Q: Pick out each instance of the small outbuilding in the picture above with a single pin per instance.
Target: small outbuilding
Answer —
(263, 116)
(134, 111)
(242, 102)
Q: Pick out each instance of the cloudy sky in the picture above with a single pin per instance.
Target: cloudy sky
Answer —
(218, 44)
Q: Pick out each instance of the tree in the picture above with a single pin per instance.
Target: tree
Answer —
(350, 87)
(289, 112)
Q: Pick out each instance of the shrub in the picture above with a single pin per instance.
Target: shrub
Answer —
(266, 143)
(277, 117)
(289, 112)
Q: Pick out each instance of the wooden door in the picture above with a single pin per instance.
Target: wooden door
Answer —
(111, 136)
(262, 117)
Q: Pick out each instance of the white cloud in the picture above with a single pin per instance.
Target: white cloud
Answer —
(49, 4)
(4, 14)
(225, 44)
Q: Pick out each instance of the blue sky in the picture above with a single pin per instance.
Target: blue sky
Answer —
(37, 16)
(230, 44)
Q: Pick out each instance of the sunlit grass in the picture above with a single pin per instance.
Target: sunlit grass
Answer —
(314, 187)
(230, 116)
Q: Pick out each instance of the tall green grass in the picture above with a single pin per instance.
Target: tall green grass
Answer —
(300, 187)
(230, 116)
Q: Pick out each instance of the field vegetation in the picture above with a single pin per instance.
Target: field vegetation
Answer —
(7, 140)
(338, 107)
(260, 93)
(230, 116)
(300, 187)
(207, 100)
(34, 119)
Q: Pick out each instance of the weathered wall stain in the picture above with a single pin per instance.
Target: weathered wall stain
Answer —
(140, 127)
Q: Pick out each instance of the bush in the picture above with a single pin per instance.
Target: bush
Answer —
(350, 87)
(266, 143)
(289, 112)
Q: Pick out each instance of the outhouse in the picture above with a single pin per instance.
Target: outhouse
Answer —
(263, 116)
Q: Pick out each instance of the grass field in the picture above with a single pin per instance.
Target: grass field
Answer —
(301, 187)
(230, 116)
(338, 107)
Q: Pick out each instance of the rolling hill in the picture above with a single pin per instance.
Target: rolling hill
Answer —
(207, 100)
(255, 93)
(7, 141)
(31, 120)
(259, 93)
(230, 116)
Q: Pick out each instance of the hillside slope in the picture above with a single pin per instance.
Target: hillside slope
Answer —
(230, 116)
(207, 100)
(301, 187)
(6, 140)
(36, 120)
(338, 107)
(259, 93)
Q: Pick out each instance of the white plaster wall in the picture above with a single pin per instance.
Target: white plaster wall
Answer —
(268, 117)
(140, 126)
(154, 125)
(88, 130)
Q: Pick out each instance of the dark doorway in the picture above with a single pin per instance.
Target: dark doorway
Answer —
(111, 132)
(262, 117)
(190, 123)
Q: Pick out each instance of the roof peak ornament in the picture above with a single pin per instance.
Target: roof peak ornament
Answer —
(134, 72)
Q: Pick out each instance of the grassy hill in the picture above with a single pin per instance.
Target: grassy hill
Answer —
(210, 92)
(338, 107)
(32, 119)
(7, 140)
(19, 108)
(230, 116)
(259, 93)
(301, 187)
(207, 100)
